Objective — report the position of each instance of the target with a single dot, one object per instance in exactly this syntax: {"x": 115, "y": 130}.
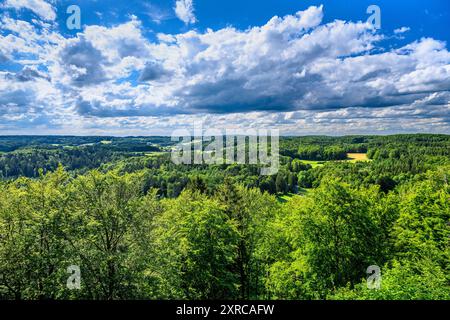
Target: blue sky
{"x": 428, "y": 19}
{"x": 150, "y": 67}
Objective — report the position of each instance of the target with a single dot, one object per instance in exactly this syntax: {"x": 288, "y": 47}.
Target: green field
{"x": 313, "y": 163}
{"x": 289, "y": 196}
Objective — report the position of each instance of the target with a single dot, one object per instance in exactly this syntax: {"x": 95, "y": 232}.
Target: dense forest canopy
{"x": 141, "y": 227}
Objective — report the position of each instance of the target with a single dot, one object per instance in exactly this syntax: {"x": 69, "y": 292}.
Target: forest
{"x": 141, "y": 227}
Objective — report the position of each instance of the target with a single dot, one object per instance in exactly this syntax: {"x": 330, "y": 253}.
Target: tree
{"x": 196, "y": 244}
{"x": 423, "y": 226}
{"x": 197, "y": 184}
{"x": 109, "y": 232}
{"x": 421, "y": 279}
{"x": 333, "y": 239}
{"x": 281, "y": 184}
{"x": 33, "y": 256}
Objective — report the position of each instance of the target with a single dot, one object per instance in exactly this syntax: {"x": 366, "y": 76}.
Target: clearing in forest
{"x": 354, "y": 157}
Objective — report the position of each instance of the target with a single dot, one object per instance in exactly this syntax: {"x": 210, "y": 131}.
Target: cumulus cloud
{"x": 295, "y": 63}
{"x": 22, "y": 40}
{"x": 401, "y": 30}
{"x": 100, "y": 54}
{"x": 3, "y": 58}
{"x": 184, "y": 9}
{"x": 153, "y": 71}
{"x": 81, "y": 63}
{"x": 40, "y": 7}
{"x": 27, "y": 94}
{"x": 293, "y": 72}
{"x": 26, "y": 74}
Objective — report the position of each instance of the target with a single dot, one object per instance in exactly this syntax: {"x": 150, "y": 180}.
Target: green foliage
{"x": 141, "y": 227}
{"x": 407, "y": 280}
{"x": 197, "y": 245}
{"x": 333, "y": 233}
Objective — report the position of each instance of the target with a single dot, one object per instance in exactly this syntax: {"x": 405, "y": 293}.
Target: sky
{"x": 151, "y": 67}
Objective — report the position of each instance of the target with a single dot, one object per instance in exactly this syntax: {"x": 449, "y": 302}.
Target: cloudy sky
{"x": 149, "y": 67}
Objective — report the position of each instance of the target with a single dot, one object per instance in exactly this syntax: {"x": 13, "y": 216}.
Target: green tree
{"x": 109, "y": 231}
{"x": 33, "y": 256}
{"x": 196, "y": 244}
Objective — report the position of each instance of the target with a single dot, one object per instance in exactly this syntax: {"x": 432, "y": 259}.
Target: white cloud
{"x": 401, "y": 30}
{"x": 32, "y": 40}
{"x": 156, "y": 14}
{"x": 184, "y": 9}
{"x": 293, "y": 73}
{"x": 40, "y": 7}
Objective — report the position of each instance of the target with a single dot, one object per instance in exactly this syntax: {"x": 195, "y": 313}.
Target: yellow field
{"x": 353, "y": 157}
